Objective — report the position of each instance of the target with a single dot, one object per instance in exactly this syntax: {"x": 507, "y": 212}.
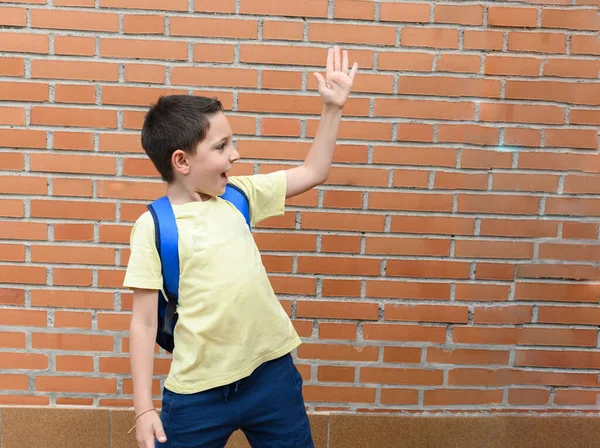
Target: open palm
{"x": 335, "y": 87}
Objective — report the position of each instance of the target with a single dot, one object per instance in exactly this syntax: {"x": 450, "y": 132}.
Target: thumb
{"x": 160, "y": 432}
{"x": 320, "y": 82}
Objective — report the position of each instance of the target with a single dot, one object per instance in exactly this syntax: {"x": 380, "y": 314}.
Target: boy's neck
{"x": 180, "y": 194}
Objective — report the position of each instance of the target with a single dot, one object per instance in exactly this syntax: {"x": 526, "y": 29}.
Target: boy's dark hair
{"x": 176, "y": 122}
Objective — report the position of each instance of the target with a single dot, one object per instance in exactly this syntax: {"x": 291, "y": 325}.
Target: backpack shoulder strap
{"x": 238, "y": 198}
{"x": 165, "y": 228}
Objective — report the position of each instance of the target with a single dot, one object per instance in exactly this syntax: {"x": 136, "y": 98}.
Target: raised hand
{"x": 335, "y": 87}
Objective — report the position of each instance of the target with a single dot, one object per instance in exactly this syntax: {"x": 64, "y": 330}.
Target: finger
{"x": 159, "y": 432}
{"x": 353, "y": 71}
{"x": 330, "y": 61}
{"x": 337, "y": 59}
{"x": 320, "y": 81}
{"x": 345, "y": 62}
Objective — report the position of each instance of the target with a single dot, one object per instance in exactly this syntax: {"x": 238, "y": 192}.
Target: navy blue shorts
{"x": 267, "y": 406}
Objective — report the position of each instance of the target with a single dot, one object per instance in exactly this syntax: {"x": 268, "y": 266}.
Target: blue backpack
{"x": 167, "y": 245}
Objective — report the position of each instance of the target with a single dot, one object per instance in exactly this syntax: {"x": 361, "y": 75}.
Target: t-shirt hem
{"x": 172, "y": 386}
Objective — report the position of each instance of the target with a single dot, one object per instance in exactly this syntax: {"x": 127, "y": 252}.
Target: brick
{"x": 482, "y": 292}
{"x": 445, "y": 397}
{"x": 52, "y": 341}
{"x": 223, "y": 6}
{"x": 420, "y": 109}
{"x": 575, "y": 230}
{"x": 380, "y": 375}
{"x": 512, "y": 17}
{"x": 74, "y": 364}
{"x": 334, "y": 265}
{"x": 23, "y": 318}
{"x": 584, "y": 44}
{"x": 497, "y": 204}
{"x": 24, "y": 43}
{"x": 76, "y": 164}
{"x": 29, "y": 361}
{"x": 516, "y": 315}
{"x": 292, "y": 285}
{"x": 274, "y": 80}
{"x": 302, "y": 56}
{"x": 175, "y": 5}
{"x": 483, "y": 40}
{"x": 205, "y": 27}
{"x": 522, "y": 137}
{"x": 81, "y": 3}
{"x": 501, "y": 377}
{"x": 439, "y": 226}
{"x": 403, "y": 355}
{"x": 559, "y": 272}
{"x": 135, "y": 96}
{"x": 556, "y": 292}
{"x": 458, "y": 63}
{"x": 460, "y": 181}
{"x": 584, "y": 116}
{"x": 572, "y": 138}
{"x": 72, "y": 187}
{"x": 76, "y": 384}
{"x": 537, "y": 42}
{"x": 575, "y": 19}
{"x": 213, "y": 53}
{"x": 12, "y": 340}
{"x": 429, "y": 37}
{"x": 83, "y": 141}
{"x": 12, "y": 67}
{"x": 283, "y": 127}
{"x": 356, "y": 9}
{"x": 576, "y": 397}
{"x": 410, "y": 202}
{"x": 143, "y": 24}
{"x": 337, "y": 331}
{"x": 73, "y": 210}
{"x": 332, "y": 352}
{"x": 357, "y": 130}
{"x": 494, "y": 249}
{"x": 24, "y": 185}
{"x": 521, "y": 113}
{"x": 573, "y": 207}
{"x": 428, "y": 269}
{"x": 72, "y": 277}
{"x": 336, "y": 374}
{"x": 340, "y": 244}
{"x": 337, "y": 310}
{"x": 468, "y": 133}
{"x": 14, "y": 208}
{"x": 448, "y": 86}
{"x": 525, "y": 182}
{"x": 341, "y": 288}
{"x": 75, "y": 70}
{"x": 553, "y": 91}
{"x": 339, "y": 394}
{"x": 353, "y": 34}
{"x": 29, "y": 91}
{"x": 394, "y": 396}
{"x": 75, "y": 94}
{"x": 559, "y": 162}
{"x": 466, "y": 356}
{"x": 569, "y": 315}
{"x": 10, "y": 296}
{"x": 555, "y": 358}
{"x": 405, "y": 61}
{"x": 427, "y": 313}
{"x": 23, "y": 231}
{"x": 572, "y": 68}
{"x": 75, "y": 20}
{"x": 147, "y": 73}
{"x": 294, "y": 8}
{"x": 407, "y": 333}
{"x": 459, "y": 14}
{"x": 512, "y": 65}
{"x": 23, "y": 274}
{"x": 13, "y": 382}
{"x": 524, "y": 336}
{"x": 143, "y": 49}
{"x": 343, "y": 199}
{"x": 16, "y": 17}
{"x": 445, "y": 157}
{"x": 416, "y": 291}
{"x": 519, "y": 228}
{"x": 58, "y": 116}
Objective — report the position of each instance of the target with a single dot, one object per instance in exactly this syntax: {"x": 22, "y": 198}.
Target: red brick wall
{"x": 450, "y": 261}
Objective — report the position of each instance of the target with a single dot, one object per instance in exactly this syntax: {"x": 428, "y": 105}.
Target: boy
{"x": 231, "y": 367}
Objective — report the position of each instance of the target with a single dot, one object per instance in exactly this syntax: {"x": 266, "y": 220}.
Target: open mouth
{"x": 224, "y": 176}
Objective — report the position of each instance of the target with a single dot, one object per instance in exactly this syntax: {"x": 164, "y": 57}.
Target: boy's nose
{"x": 235, "y": 155}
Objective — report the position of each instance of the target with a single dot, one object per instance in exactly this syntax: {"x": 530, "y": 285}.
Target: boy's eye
{"x": 221, "y": 146}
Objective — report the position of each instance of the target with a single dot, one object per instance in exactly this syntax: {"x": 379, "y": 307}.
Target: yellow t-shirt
{"x": 230, "y": 320}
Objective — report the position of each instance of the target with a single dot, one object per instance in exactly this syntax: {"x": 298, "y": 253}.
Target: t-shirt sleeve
{"x": 266, "y": 194}
{"x": 144, "y": 267}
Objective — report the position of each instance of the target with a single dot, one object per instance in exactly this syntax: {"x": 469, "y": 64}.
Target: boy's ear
{"x": 180, "y": 162}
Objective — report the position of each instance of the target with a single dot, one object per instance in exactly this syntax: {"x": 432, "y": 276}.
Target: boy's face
{"x": 214, "y": 157}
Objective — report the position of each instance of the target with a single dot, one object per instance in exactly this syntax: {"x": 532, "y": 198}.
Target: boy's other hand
{"x": 336, "y": 86}
{"x": 148, "y": 429}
